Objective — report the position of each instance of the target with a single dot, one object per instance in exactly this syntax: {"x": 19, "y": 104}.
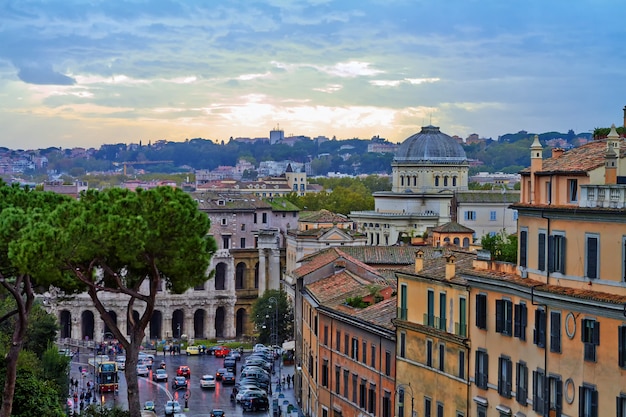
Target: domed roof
{"x": 430, "y": 145}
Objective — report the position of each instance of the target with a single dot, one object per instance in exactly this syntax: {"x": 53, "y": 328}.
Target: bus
{"x": 107, "y": 377}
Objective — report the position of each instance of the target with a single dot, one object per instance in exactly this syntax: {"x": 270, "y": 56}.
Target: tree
{"x": 502, "y": 248}
{"x": 266, "y": 314}
{"x": 19, "y": 209}
{"x": 127, "y": 244}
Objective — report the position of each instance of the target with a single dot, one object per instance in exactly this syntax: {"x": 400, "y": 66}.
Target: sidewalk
{"x": 284, "y": 397}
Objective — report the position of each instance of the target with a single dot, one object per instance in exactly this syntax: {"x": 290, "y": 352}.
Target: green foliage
{"x": 42, "y": 331}
{"x": 264, "y": 313}
{"x": 356, "y": 302}
{"x": 603, "y": 132}
{"x": 35, "y": 396}
{"x": 502, "y": 248}
{"x": 56, "y": 369}
{"x": 96, "y": 411}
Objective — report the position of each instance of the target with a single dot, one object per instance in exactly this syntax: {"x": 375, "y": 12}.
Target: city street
{"x": 200, "y": 401}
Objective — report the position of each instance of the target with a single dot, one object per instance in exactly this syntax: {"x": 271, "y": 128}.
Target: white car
{"x": 247, "y": 389}
{"x": 259, "y": 347}
{"x": 172, "y": 407}
{"x": 121, "y": 362}
{"x": 142, "y": 370}
{"x": 207, "y": 381}
{"x": 159, "y": 375}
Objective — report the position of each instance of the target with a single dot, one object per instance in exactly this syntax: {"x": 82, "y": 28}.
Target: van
{"x": 230, "y": 364}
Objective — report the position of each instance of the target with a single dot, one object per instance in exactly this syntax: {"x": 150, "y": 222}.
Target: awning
{"x": 289, "y": 345}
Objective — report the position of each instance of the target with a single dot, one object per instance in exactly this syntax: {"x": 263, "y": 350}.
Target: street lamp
{"x": 274, "y": 301}
{"x": 401, "y": 390}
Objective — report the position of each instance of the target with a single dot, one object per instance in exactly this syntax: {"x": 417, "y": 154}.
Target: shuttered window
{"x": 591, "y": 258}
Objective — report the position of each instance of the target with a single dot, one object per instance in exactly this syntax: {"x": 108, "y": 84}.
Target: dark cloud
{"x": 44, "y": 75}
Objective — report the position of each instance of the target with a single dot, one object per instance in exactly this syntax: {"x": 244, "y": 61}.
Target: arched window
{"x": 454, "y": 181}
{"x": 445, "y": 181}
{"x": 240, "y": 273}
{"x": 415, "y": 181}
{"x": 456, "y": 241}
{"x": 220, "y": 276}
{"x": 402, "y": 180}
{"x": 437, "y": 181}
{"x": 465, "y": 242}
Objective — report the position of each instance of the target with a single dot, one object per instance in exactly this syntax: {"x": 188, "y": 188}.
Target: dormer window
{"x": 221, "y": 202}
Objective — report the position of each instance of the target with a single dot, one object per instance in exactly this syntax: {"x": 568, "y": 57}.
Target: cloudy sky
{"x": 88, "y": 72}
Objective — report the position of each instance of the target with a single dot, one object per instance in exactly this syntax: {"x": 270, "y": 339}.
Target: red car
{"x": 221, "y": 351}
{"x": 183, "y": 370}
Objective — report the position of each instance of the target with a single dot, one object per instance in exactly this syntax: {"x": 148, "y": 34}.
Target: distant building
{"x": 498, "y": 179}
{"x": 276, "y": 136}
{"x": 72, "y": 190}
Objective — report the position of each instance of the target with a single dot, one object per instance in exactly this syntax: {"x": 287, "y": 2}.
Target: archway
{"x": 220, "y": 276}
{"x": 456, "y": 241}
{"x": 87, "y": 325}
{"x": 65, "y": 322}
{"x": 156, "y": 324}
{"x": 240, "y": 273}
{"x": 219, "y": 322}
{"x": 107, "y": 331}
{"x": 198, "y": 324}
{"x": 178, "y": 323}
{"x": 135, "y": 319}
{"x": 242, "y": 319}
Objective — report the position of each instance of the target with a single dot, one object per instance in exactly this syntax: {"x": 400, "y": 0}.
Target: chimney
{"x": 557, "y": 152}
{"x": 536, "y": 165}
{"x": 450, "y": 266}
{"x": 419, "y": 261}
{"x": 610, "y": 167}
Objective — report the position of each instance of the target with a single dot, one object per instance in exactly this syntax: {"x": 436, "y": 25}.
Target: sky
{"x": 81, "y": 73}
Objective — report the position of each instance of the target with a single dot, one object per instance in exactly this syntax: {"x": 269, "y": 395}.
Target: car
{"x": 220, "y": 372}
{"x": 207, "y": 381}
{"x": 228, "y": 378}
{"x": 145, "y": 359}
{"x": 179, "y": 382}
{"x": 234, "y": 354}
{"x": 192, "y": 350}
{"x": 121, "y": 362}
{"x": 217, "y": 412}
{"x": 142, "y": 370}
{"x": 149, "y": 405}
{"x": 183, "y": 370}
{"x": 255, "y": 402}
{"x": 259, "y": 347}
{"x": 66, "y": 352}
{"x": 230, "y": 364}
{"x": 159, "y": 375}
{"x": 145, "y": 362}
{"x": 244, "y": 391}
{"x": 172, "y": 407}
{"x": 222, "y": 352}
{"x": 146, "y": 356}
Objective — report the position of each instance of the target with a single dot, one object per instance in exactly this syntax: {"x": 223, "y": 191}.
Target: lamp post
{"x": 276, "y": 340}
{"x": 401, "y": 390}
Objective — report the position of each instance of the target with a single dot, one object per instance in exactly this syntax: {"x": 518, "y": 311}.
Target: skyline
{"x": 77, "y": 73}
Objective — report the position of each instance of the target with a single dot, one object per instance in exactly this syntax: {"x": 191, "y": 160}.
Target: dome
{"x": 430, "y": 145}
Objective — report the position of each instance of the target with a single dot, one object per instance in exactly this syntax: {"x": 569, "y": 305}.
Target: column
{"x": 274, "y": 270}
{"x": 229, "y": 322}
{"x": 189, "y": 329}
{"x": 262, "y": 272}
{"x": 167, "y": 324}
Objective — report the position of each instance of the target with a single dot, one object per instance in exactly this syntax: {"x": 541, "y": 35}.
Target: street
{"x": 200, "y": 401}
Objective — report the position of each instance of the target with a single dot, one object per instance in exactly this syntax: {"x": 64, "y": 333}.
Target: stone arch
{"x": 178, "y": 323}
{"x": 454, "y": 181}
{"x": 219, "y": 322}
{"x": 256, "y": 275}
{"x": 456, "y": 241}
{"x": 242, "y": 318}
{"x": 113, "y": 315}
{"x": 445, "y": 181}
{"x": 240, "y": 274}
{"x": 198, "y": 324}
{"x": 65, "y": 322}
{"x": 87, "y": 324}
{"x": 437, "y": 181}
{"x": 446, "y": 241}
{"x": 465, "y": 242}
{"x": 156, "y": 325}
{"x": 135, "y": 319}
{"x": 220, "y": 276}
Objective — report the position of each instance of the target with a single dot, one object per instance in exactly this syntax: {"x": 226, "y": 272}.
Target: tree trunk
{"x": 132, "y": 352}
{"x": 11, "y": 375}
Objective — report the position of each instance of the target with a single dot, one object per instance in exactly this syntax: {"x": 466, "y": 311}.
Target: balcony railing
{"x": 460, "y": 329}
{"x": 434, "y": 321}
{"x": 603, "y": 196}
{"x": 403, "y": 313}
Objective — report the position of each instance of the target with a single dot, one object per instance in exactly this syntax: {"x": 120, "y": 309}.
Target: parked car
{"x": 179, "y": 383}
{"x": 207, "y": 381}
{"x": 193, "y": 350}
{"x": 142, "y": 370}
{"x": 159, "y": 375}
{"x": 240, "y": 395}
{"x": 259, "y": 347}
{"x": 222, "y": 351}
{"x": 228, "y": 378}
{"x": 235, "y": 354}
{"x": 230, "y": 364}
{"x": 217, "y": 412}
{"x": 255, "y": 402}
{"x": 183, "y": 370}
{"x": 220, "y": 372}
{"x": 172, "y": 407}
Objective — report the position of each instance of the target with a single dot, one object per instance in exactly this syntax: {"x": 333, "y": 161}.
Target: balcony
{"x": 403, "y": 313}
{"x": 603, "y": 196}
{"x": 434, "y": 321}
{"x": 460, "y": 329}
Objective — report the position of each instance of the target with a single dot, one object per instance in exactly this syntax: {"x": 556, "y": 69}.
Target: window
{"x": 462, "y": 364}
{"x": 470, "y": 215}
{"x": 439, "y": 409}
{"x": 621, "y": 405}
{"x": 355, "y": 380}
{"x": 403, "y": 302}
{"x": 430, "y": 308}
{"x": 548, "y": 192}
{"x": 346, "y": 343}
{"x": 521, "y": 389}
{"x": 492, "y": 215}
{"x": 523, "y": 248}
{"x": 337, "y": 379}
{"x": 402, "y": 345}
{"x": 623, "y": 258}
{"x": 515, "y": 215}
{"x": 538, "y": 390}
{"x": 387, "y": 404}
{"x": 590, "y": 336}
{"x": 326, "y": 335}
{"x": 371, "y": 399}
{"x": 346, "y": 376}
{"x": 387, "y": 363}
{"x": 373, "y": 363}
{"x": 482, "y": 369}
{"x": 429, "y": 353}
{"x": 363, "y": 394}
{"x": 427, "y": 406}
{"x": 587, "y": 401}
{"x": 572, "y": 190}
{"x": 541, "y": 248}
{"x": 555, "y": 395}
{"x": 481, "y": 411}
{"x": 539, "y": 335}
{"x": 555, "y": 331}
{"x": 437, "y": 181}
{"x": 442, "y": 311}
{"x": 325, "y": 373}
{"x": 355, "y": 349}
{"x": 442, "y": 355}
{"x": 401, "y": 396}
{"x": 481, "y": 311}
{"x": 224, "y": 221}
{"x": 621, "y": 342}
{"x": 242, "y": 243}
{"x": 556, "y": 253}
{"x": 504, "y": 317}
{"x": 264, "y": 218}
{"x": 243, "y": 227}
{"x": 225, "y": 242}
{"x": 505, "y": 376}
{"x": 338, "y": 341}
{"x": 592, "y": 257}
{"x": 364, "y": 352}
{"x": 462, "y": 326}
{"x": 521, "y": 313}
{"x": 254, "y": 219}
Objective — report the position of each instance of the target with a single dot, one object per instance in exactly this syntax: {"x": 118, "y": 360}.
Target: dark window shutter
{"x": 596, "y": 333}
{"x": 594, "y": 403}
{"x": 481, "y": 311}
{"x": 523, "y": 321}
{"x": 508, "y": 323}
{"x": 486, "y": 370}
{"x": 592, "y": 257}
{"x": 523, "y": 247}
{"x": 559, "y": 397}
{"x": 537, "y": 330}
{"x": 499, "y": 316}
{"x": 509, "y": 378}
{"x": 535, "y": 396}
{"x": 501, "y": 381}
{"x": 555, "y": 331}
{"x": 541, "y": 259}
{"x": 562, "y": 254}
{"x": 550, "y": 253}
{"x": 581, "y": 402}
{"x": 621, "y": 337}
{"x": 518, "y": 320}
